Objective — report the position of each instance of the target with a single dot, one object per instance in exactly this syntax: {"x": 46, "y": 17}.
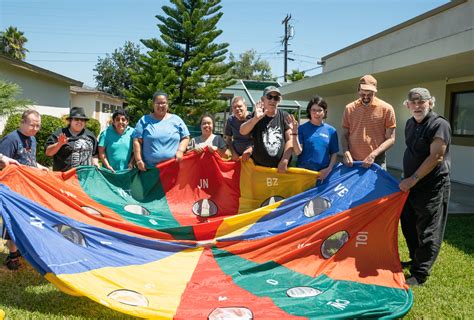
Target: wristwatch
{"x": 416, "y": 177}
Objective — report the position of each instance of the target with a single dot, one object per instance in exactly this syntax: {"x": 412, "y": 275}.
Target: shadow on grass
{"x": 459, "y": 232}
{"x": 25, "y": 292}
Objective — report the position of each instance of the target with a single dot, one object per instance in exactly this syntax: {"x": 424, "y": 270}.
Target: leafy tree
{"x": 113, "y": 73}
{"x": 250, "y": 67}
{"x": 155, "y": 74}
{"x": 188, "y": 46}
{"x": 296, "y": 75}
{"x": 12, "y": 43}
{"x": 8, "y": 103}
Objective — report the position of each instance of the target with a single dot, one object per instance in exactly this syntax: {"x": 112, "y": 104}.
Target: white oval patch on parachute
{"x": 129, "y": 297}
{"x": 302, "y": 292}
{"x": 71, "y": 234}
{"x": 316, "y": 206}
{"x": 334, "y": 243}
{"x": 231, "y": 313}
{"x": 137, "y": 209}
{"x": 204, "y": 208}
{"x": 271, "y": 200}
{"x": 92, "y": 211}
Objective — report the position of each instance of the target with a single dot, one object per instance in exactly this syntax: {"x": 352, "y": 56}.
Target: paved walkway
{"x": 462, "y": 196}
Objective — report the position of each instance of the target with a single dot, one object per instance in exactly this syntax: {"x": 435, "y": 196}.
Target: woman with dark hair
{"x": 159, "y": 136}
{"x": 315, "y": 142}
{"x": 74, "y": 145}
{"x": 208, "y": 138}
{"x": 115, "y": 143}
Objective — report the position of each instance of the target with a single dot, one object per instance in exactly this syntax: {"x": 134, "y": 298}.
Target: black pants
{"x": 423, "y": 222}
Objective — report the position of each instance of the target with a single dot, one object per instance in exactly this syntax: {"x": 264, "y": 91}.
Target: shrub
{"x": 94, "y": 126}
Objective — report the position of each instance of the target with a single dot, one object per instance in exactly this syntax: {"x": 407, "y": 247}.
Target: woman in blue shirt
{"x": 315, "y": 142}
{"x": 159, "y": 136}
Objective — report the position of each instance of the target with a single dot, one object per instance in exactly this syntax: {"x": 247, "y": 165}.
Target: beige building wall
{"x": 89, "y": 102}
{"x": 462, "y": 157}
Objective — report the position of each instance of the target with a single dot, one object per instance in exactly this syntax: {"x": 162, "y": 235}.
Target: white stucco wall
{"x": 88, "y": 101}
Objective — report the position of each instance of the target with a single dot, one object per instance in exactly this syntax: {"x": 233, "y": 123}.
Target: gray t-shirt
{"x": 214, "y": 140}
{"x": 232, "y": 129}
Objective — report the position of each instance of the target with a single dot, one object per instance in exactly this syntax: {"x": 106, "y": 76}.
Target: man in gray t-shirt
{"x": 239, "y": 145}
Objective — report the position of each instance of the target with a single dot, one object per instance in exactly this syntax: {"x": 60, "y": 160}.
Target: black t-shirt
{"x": 78, "y": 151}
{"x": 269, "y": 139}
{"x": 418, "y": 139}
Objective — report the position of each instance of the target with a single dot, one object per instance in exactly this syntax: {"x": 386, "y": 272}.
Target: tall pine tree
{"x": 188, "y": 42}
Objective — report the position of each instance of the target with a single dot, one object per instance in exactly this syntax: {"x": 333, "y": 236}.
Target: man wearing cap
{"x": 368, "y": 127}
{"x": 426, "y": 165}
{"x": 74, "y": 145}
{"x": 271, "y": 134}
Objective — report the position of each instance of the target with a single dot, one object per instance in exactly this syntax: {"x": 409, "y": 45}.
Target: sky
{"x": 68, "y": 37}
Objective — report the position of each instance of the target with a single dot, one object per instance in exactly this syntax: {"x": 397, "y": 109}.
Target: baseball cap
{"x": 269, "y": 89}
{"x": 419, "y": 94}
{"x": 368, "y": 82}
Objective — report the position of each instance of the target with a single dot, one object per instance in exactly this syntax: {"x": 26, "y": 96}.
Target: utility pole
{"x": 288, "y": 36}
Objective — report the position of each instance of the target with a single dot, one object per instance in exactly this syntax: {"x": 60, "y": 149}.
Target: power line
{"x": 67, "y": 52}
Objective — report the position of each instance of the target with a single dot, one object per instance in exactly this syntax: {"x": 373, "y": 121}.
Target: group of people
{"x": 270, "y": 136}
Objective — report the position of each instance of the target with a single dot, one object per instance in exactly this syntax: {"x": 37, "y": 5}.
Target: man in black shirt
{"x": 270, "y": 132}
{"x": 426, "y": 166}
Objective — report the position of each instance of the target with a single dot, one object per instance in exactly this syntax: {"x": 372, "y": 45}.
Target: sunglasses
{"x": 270, "y": 97}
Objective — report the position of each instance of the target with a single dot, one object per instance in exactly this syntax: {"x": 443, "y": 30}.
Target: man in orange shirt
{"x": 368, "y": 127}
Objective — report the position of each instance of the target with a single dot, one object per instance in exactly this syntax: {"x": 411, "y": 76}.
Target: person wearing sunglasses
{"x": 74, "y": 145}
{"x": 271, "y": 133}
{"x": 368, "y": 127}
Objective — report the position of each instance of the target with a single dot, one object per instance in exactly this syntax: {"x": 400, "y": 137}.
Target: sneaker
{"x": 13, "y": 261}
{"x": 407, "y": 264}
{"x": 413, "y": 281}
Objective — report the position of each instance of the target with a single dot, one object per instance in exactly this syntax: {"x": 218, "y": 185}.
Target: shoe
{"x": 413, "y": 281}
{"x": 407, "y": 264}
{"x": 13, "y": 260}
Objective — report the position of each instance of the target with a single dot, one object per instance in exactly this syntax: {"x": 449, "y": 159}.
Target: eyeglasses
{"x": 78, "y": 119}
{"x": 270, "y": 97}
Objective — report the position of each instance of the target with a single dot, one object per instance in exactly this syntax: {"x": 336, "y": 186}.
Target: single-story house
{"x": 433, "y": 50}
{"x": 49, "y": 91}
{"x": 97, "y": 104}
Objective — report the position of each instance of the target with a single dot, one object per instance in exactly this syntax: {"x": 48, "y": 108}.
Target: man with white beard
{"x": 426, "y": 166}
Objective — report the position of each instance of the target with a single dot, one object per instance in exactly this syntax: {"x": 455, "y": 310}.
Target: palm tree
{"x": 12, "y": 43}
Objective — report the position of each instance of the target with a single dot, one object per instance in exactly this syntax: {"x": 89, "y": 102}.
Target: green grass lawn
{"x": 448, "y": 294}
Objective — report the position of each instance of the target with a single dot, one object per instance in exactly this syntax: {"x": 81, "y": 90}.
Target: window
{"x": 460, "y": 112}
{"x": 97, "y": 106}
{"x": 105, "y": 108}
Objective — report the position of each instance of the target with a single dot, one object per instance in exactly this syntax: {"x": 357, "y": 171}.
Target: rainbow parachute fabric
{"x": 169, "y": 244}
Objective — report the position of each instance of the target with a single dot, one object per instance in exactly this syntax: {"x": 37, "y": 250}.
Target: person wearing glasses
{"x": 368, "y": 127}
{"x": 159, "y": 136}
{"x": 315, "y": 142}
{"x": 271, "y": 133}
{"x": 74, "y": 145}
{"x": 239, "y": 145}
{"x": 426, "y": 166}
{"x": 19, "y": 148}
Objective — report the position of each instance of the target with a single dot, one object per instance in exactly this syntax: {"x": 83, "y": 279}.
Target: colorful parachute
{"x": 179, "y": 250}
